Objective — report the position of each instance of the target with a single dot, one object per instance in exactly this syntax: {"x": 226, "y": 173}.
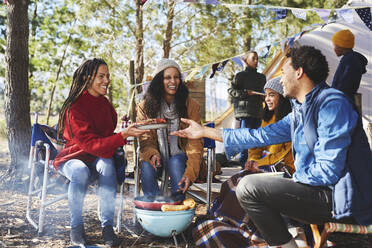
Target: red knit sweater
{"x": 92, "y": 121}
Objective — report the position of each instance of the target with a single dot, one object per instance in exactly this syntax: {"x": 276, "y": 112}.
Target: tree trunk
{"x": 139, "y": 45}
{"x": 248, "y": 23}
{"x": 32, "y": 38}
{"x": 17, "y": 95}
{"x": 169, "y": 29}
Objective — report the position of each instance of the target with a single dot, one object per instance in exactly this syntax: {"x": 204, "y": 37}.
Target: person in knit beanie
{"x": 276, "y": 107}
{"x": 352, "y": 64}
{"x": 168, "y": 97}
{"x": 343, "y": 39}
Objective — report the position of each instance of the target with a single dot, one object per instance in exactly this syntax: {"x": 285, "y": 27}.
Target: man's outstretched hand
{"x": 196, "y": 131}
{"x": 193, "y": 131}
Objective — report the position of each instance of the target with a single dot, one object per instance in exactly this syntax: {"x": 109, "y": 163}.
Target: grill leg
{"x": 174, "y": 237}
{"x": 184, "y": 238}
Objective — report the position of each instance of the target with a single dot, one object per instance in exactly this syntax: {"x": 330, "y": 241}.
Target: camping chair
{"x": 211, "y": 163}
{"x": 44, "y": 148}
{"x": 320, "y": 240}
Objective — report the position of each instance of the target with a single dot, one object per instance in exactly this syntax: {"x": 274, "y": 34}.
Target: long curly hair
{"x": 82, "y": 77}
{"x": 284, "y": 108}
{"x": 155, "y": 95}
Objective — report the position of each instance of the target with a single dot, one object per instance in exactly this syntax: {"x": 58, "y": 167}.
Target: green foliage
{"x": 2, "y": 128}
{"x": 202, "y": 34}
{"x": 51, "y": 25}
{"x": 2, "y": 118}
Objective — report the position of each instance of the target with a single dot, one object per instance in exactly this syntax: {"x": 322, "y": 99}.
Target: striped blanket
{"x": 227, "y": 225}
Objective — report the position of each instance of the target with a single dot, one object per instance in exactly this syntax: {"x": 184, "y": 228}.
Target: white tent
{"x": 321, "y": 39}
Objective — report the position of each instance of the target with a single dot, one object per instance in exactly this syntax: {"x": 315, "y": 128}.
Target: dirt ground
{"x": 15, "y": 231}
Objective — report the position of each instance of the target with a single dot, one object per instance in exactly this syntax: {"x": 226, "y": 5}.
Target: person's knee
{"x": 177, "y": 160}
{"x": 80, "y": 175}
{"x": 106, "y": 167}
{"x": 147, "y": 170}
{"x": 247, "y": 188}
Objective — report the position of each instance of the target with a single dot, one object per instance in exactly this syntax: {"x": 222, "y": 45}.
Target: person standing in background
{"x": 248, "y": 108}
{"x": 352, "y": 64}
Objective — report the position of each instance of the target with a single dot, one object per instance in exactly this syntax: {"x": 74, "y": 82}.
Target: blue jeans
{"x": 249, "y": 122}
{"x": 176, "y": 168}
{"x": 80, "y": 175}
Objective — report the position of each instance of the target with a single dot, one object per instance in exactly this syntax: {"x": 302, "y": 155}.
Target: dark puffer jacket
{"x": 244, "y": 104}
{"x": 349, "y": 73}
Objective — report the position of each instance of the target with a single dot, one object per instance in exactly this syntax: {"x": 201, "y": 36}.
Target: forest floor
{"x": 16, "y": 231}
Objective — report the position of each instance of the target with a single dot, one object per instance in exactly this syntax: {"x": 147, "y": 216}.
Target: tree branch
{"x": 197, "y": 38}
{"x": 131, "y": 28}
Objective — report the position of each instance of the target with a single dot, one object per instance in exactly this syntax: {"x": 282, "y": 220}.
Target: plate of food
{"x": 149, "y": 124}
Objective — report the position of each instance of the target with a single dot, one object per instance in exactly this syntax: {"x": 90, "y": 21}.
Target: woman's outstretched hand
{"x": 133, "y": 131}
{"x": 193, "y": 131}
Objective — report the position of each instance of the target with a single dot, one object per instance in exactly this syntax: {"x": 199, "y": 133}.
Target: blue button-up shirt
{"x": 335, "y": 122}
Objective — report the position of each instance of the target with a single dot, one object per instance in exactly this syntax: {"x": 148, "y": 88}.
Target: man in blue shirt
{"x": 332, "y": 156}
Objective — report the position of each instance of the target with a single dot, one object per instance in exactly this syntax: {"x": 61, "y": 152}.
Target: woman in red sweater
{"x": 87, "y": 122}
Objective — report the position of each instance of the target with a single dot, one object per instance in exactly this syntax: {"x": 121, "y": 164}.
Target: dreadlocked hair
{"x": 83, "y": 75}
{"x": 155, "y": 93}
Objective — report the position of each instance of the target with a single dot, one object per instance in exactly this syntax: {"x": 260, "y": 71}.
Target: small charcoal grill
{"x": 165, "y": 224}
{"x": 162, "y": 224}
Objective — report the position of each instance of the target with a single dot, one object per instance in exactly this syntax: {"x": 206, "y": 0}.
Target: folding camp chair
{"x": 211, "y": 164}
{"x": 320, "y": 240}
{"x": 42, "y": 153}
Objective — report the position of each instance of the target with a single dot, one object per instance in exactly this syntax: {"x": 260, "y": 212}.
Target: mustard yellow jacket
{"x": 192, "y": 148}
{"x": 276, "y": 152}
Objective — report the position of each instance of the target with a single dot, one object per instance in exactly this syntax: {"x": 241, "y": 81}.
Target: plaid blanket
{"x": 227, "y": 225}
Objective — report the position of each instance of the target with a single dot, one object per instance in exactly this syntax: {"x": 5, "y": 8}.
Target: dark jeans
{"x": 267, "y": 198}
{"x": 176, "y": 168}
{"x": 248, "y": 122}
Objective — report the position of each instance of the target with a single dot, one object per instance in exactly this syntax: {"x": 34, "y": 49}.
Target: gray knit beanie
{"x": 274, "y": 84}
{"x": 166, "y": 63}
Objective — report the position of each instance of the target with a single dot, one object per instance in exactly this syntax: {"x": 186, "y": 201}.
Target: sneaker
{"x": 109, "y": 237}
{"x": 299, "y": 236}
{"x": 77, "y": 235}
